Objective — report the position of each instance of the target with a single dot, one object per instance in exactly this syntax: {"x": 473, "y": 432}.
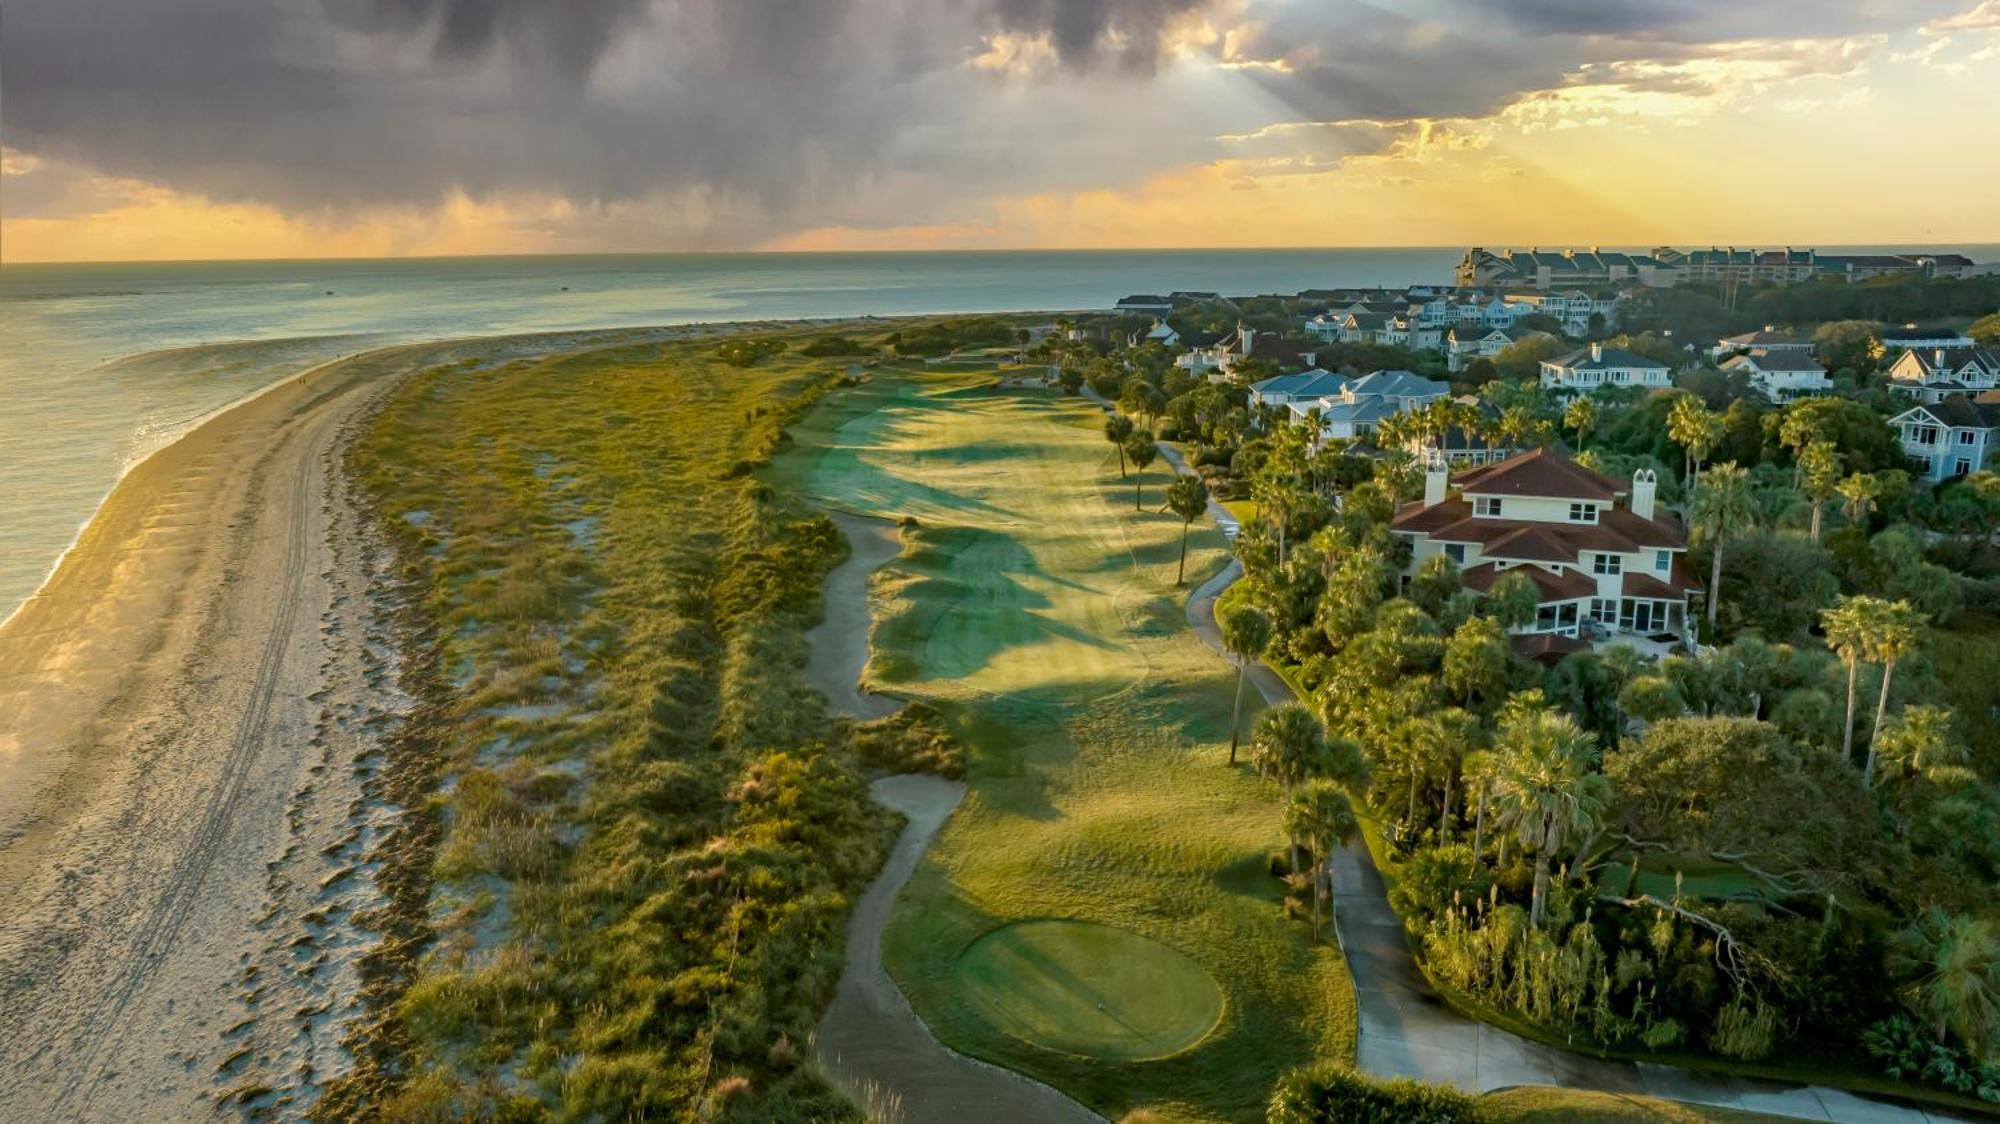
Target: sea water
{"x": 101, "y": 364}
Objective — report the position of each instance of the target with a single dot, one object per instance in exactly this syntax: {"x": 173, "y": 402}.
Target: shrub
{"x": 829, "y": 347}
{"x": 912, "y": 740}
{"x": 747, "y": 353}
{"x": 1909, "y": 1054}
{"x": 1329, "y": 1094}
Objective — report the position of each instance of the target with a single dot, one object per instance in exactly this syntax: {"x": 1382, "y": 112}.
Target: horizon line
{"x": 995, "y": 251}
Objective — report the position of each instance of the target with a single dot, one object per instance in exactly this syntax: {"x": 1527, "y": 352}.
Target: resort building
{"x": 1951, "y": 436}
{"x": 1781, "y": 375}
{"x": 1559, "y": 269}
{"x": 1602, "y": 561}
{"x": 1935, "y": 373}
{"x": 1359, "y": 405}
{"x": 1589, "y": 368}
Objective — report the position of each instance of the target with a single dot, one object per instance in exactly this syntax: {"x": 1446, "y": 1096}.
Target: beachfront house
{"x": 1602, "y": 560}
{"x": 1767, "y": 338}
{"x": 1587, "y": 369}
{"x": 1933, "y": 373}
{"x": 1781, "y": 375}
{"x": 1951, "y": 436}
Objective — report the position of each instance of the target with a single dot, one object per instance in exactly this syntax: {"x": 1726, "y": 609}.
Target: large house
{"x": 1359, "y": 405}
{"x": 1951, "y": 436}
{"x": 1587, "y": 369}
{"x": 1781, "y": 375}
{"x": 1573, "y": 308}
{"x": 1589, "y": 556}
{"x": 1934, "y": 373}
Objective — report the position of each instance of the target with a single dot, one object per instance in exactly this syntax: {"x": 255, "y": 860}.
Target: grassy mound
{"x": 1083, "y": 988}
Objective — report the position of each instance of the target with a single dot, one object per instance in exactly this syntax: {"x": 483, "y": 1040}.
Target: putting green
{"x": 1090, "y": 989}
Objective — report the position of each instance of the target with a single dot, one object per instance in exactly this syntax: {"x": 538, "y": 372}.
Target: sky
{"x": 181, "y": 129}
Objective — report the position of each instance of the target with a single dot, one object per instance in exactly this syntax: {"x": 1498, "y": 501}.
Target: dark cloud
{"x": 762, "y": 114}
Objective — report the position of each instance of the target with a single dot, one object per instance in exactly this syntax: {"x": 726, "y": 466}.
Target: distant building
{"x": 1911, "y": 336}
{"x": 1949, "y": 437}
{"x": 1596, "y": 366}
{"x": 1161, "y": 333}
{"x": 1559, "y": 269}
{"x": 1306, "y": 386}
{"x": 1589, "y": 557}
{"x": 1464, "y": 343}
{"x": 1767, "y": 338}
{"x": 1934, "y": 373}
{"x": 1781, "y": 375}
{"x": 1145, "y": 302}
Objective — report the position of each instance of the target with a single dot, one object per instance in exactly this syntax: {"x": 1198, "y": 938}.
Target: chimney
{"x": 1596, "y": 351}
{"x": 1244, "y": 337}
{"x": 1437, "y": 479}
{"x": 1937, "y": 360}
{"x": 1643, "y": 483}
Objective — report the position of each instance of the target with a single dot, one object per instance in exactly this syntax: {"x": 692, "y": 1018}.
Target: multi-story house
{"x": 1306, "y": 387}
{"x": 1356, "y": 407}
{"x": 1593, "y": 552}
{"x": 1596, "y": 366}
{"x": 1896, "y": 340}
{"x": 1781, "y": 375}
{"x": 1573, "y": 308}
{"x": 1951, "y": 436}
{"x": 1934, "y": 373}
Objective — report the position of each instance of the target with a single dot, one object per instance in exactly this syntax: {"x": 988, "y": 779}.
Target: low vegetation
{"x": 647, "y": 831}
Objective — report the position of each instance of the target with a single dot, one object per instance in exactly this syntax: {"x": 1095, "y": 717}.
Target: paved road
{"x": 1408, "y": 1031}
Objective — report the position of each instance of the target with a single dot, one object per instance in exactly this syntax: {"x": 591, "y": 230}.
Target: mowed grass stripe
{"x": 1037, "y": 610}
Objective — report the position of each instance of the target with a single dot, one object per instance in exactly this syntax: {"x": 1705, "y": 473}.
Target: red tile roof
{"x": 1680, "y": 582}
{"x": 1566, "y": 586}
{"x": 1540, "y": 472}
{"x": 1616, "y": 530}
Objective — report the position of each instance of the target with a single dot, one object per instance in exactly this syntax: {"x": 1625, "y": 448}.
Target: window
{"x": 1609, "y": 564}
{"x": 1486, "y": 505}
{"x": 1922, "y": 434}
{"x": 1603, "y": 609}
{"x": 1966, "y": 437}
{"x": 1456, "y": 552}
{"x": 1663, "y": 560}
{"x": 1583, "y": 513}
{"x": 1961, "y": 467}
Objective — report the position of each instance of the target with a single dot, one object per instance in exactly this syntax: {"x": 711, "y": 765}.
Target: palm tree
{"x": 1693, "y": 428}
{"x": 1894, "y": 636}
{"x": 1547, "y": 791}
{"x": 1921, "y": 741}
{"x": 1480, "y": 767}
{"x": 1140, "y": 450}
{"x": 1953, "y": 969}
{"x": 1287, "y": 742}
{"x": 1188, "y": 496}
{"x": 1819, "y": 472}
{"x": 1857, "y": 496}
{"x": 1320, "y": 818}
{"x": 1850, "y": 628}
{"x": 1721, "y": 511}
{"x": 1581, "y": 416}
{"x": 1117, "y": 430}
{"x": 1245, "y": 634}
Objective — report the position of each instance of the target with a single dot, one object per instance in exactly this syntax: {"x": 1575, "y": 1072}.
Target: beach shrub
{"x": 832, "y": 347}
{"x": 748, "y": 352}
{"x": 1334, "y": 1094}
{"x": 912, "y": 740}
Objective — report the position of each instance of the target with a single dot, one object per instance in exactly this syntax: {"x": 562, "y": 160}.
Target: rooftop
{"x": 1539, "y": 472}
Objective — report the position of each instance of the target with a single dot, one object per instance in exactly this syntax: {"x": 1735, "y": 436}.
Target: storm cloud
{"x": 787, "y": 112}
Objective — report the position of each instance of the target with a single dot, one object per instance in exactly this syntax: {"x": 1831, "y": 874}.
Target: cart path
{"x": 870, "y": 1041}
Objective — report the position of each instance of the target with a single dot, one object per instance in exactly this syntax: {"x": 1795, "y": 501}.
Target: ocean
{"x": 101, "y": 364}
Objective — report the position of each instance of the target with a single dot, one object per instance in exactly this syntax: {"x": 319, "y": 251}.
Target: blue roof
{"x": 1307, "y": 384}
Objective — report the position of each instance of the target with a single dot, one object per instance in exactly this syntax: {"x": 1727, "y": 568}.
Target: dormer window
{"x": 1583, "y": 513}
{"x": 1488, "y": 506}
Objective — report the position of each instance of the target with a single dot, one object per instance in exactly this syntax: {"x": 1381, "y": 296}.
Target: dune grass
{"x": 646, "y": 832}
{"x": 1539, "y": 1104}
{"x": 1037, "y": 612}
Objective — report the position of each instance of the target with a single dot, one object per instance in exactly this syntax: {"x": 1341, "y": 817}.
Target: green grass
{"x": 1037, "y": 612}
{"x": 1537, "y": 1104}
{"x": 1082, "y": 988}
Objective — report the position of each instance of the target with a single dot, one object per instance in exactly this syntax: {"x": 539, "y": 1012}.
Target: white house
{"x": 1927, "y": 339}
{"x": 1951, "y": 436}
{"x": 1781, "y": 375}
{"x": 1161, "y": 333}
{"x": 1767, "y": 338}
{"x": 1934, "y": 373}
{"x": 1354, "y": 410}
{"x": 1597, "y": 365}
{"x": 1573, "y": 307}
{"x": 1589, "y": 556}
